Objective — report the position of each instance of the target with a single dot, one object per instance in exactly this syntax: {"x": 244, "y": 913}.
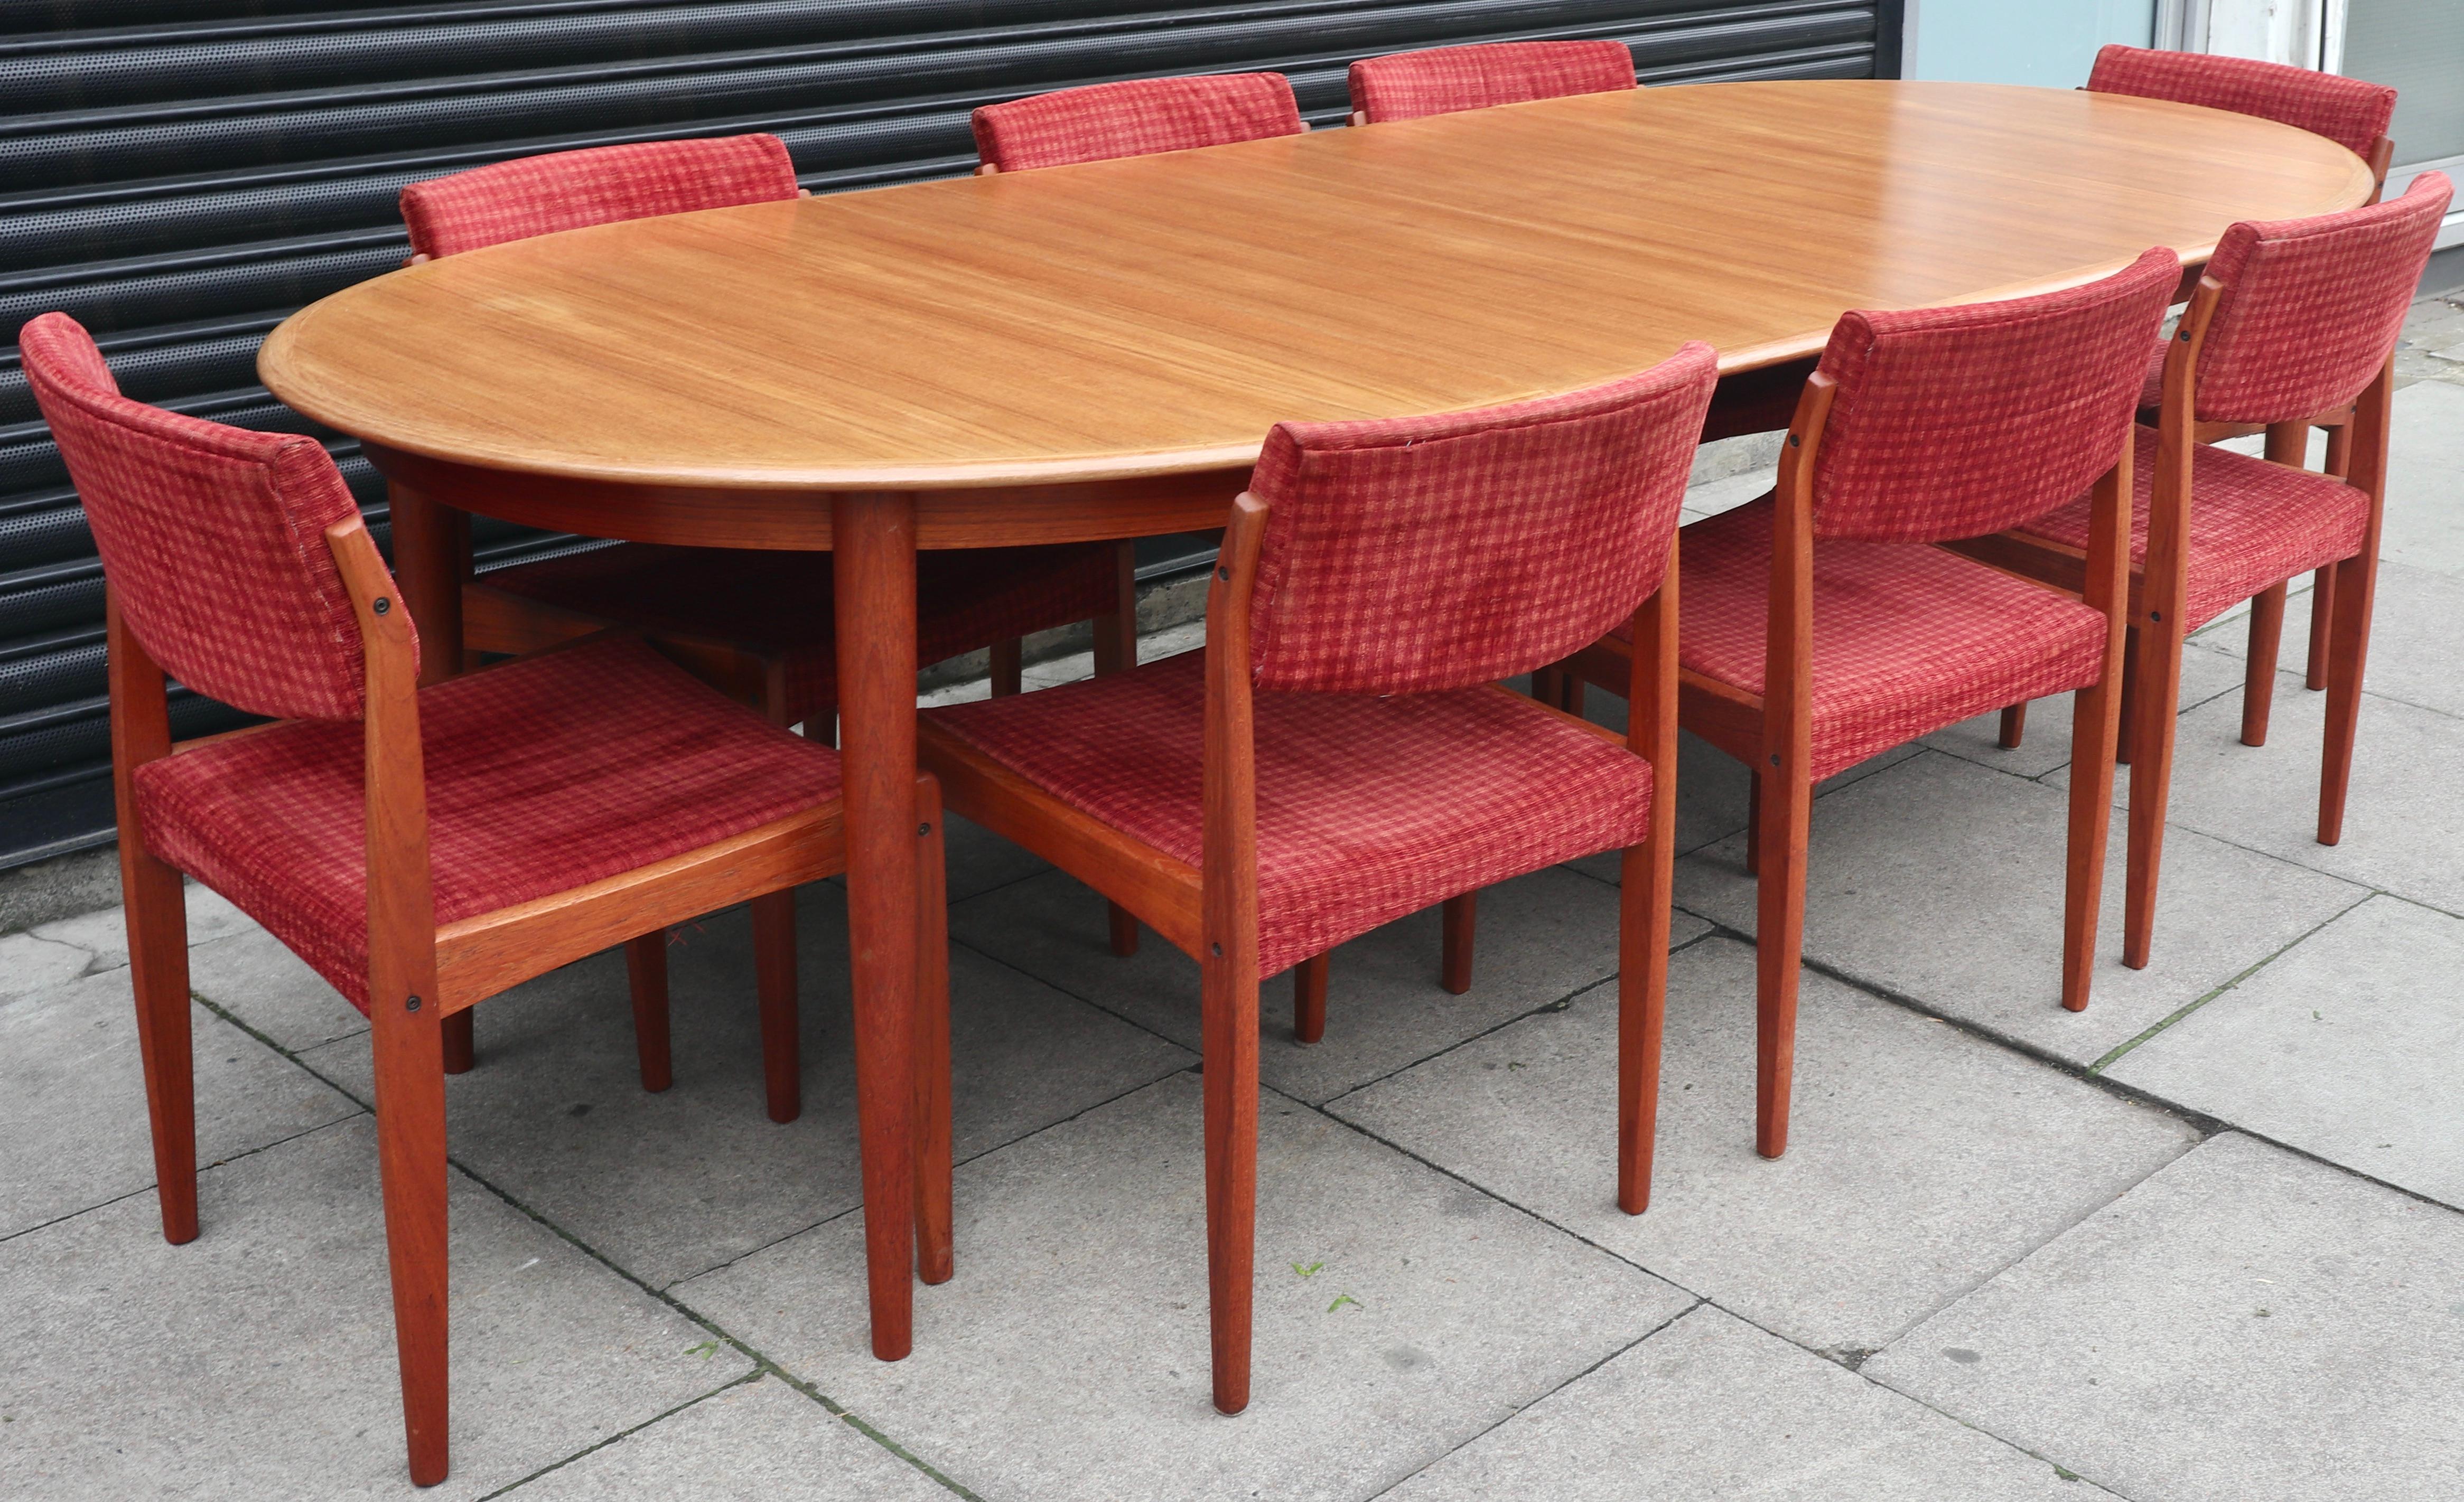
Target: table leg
{"x": 431, "y": 543}
{"x": 874, "y": 536}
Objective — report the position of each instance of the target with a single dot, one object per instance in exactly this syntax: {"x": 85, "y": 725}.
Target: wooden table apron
{"x": 1096, "y": 352}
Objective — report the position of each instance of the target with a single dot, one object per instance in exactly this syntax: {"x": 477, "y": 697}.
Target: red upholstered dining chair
{"x": 2350, "y": 112}
{"x": 2293, "y": 317}
{"x": 1134, "y": 118}
{"x": 1338, "y": 754}
{"x": 1820, "y": 628}
{"x": 420, "y": 849}
{"x": 1441, "y": 81}
{"x": 756, "y": 624}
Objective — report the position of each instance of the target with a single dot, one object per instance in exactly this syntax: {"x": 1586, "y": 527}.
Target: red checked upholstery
{"x": 1440, "y": 552}
{"x": 2346, "y": 111}
{"x": 2312, "y": 306}
{"x": 570, "y": 189}
{"x": 1369, "y": 808}
{"x": 543, "y": 774}
{"x": 1104, "y": 120}
{"x": 1906, "y": 640}
{"x": 1441, "y": 81}
{"x": 213, "y": 539}
{"x": 2253, "y": 524}
{"x": 781, "y": 603}
{"x": 1959, "y": 422}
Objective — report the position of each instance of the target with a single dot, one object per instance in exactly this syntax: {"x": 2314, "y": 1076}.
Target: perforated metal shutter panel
{"x": 179, "y": 175}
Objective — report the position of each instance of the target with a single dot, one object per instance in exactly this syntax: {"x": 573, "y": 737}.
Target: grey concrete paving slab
{"x": 2047, "y": 742}
{"x": 2402, "y": 826}
{"x": 1398, "y": 1315}
{"x": 1728, "y": 493}
{"x": 758, "y": 1442}
{"x": 976, "y": 860}
{"x": 1713, "y": 1408}
{"x": 2425, "y": 504}
{"x": 2346, "y": 1046}
{"x": 2413, "y": 639}
{"x": 1541, "y": 937}
{"x": 257, "y": 1361}
{"x": 669, "y": 1185}
{"x": 255, "y": 978}
{"x": 104, "y": 934}
{"x": 30, "y": 965}
{"x": 74, "y": 1131}
{"x": 2246, "y": 1326}
{"x": 1921, "y": 1159}
{"x": 1942, "y": 882}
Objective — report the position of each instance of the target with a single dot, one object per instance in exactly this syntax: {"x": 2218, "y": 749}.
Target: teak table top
{"x": 1157, "y": 315}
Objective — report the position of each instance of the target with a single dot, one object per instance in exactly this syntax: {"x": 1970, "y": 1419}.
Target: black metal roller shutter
{"x": 179, "y": 175}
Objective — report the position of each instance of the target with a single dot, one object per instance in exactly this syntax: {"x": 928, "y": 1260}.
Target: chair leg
{"x": 1230, "y": 1026}
{"x": 2356, "y": 583}
{"x": 2149, "y": 697}
{"x": 1642, "y": 1007}
{"x": 1577, "y": 694}
{"x": 1779, "y": 942}
{"x": 2015, "y": 725}
{"x": 774, "y": 970}
{"x": 932, "y": 1208}
{"x": 2128, "y": 735}
{"x": 158, "y": 964}
{"x": 1116, "y": 651}
{"x": 1309, "y": 998}
{"x": 2322, "y": 618}
{"x": 1546, "y": 687}
{"x": 411, "y": 1157}
{"x": 1754, "y": 827}
{"x": 2258, "y": 672}
{"x": 1456, "y": 921}
{"x": 645, "y": 973}
{"x": 1009, "y": 666}
{"x": 459, "y": 1042}
{"x": 2096, "y": 722}
{"x": 1124, "y": 929}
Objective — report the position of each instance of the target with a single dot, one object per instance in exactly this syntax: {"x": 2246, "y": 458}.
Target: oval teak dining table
{"x": 1098, "y": 351}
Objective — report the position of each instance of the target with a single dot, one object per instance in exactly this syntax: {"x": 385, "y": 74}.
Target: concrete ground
{"x": 2201, "y": 1242}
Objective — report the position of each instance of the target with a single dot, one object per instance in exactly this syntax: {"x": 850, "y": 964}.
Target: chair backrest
{"x": 2311, "y": 308}
{"x": 1441, "y": 81}
{"x": 1960, "y": 422}
{"x": 1135, "y": 118}
{"x": 571, "y": 189}
{"x": 2350, "y": 112}
{"x": 212, "y": 537}
{"x": 1429, "y": 552}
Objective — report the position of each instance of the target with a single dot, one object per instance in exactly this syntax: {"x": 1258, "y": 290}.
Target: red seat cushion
{"x": 780, "y": 604}
{"x": 2253, "y": 524}
{"x": 1369, "y": 808}
{"x": 1906, "y": 637}
{"x": 543, "y": 774}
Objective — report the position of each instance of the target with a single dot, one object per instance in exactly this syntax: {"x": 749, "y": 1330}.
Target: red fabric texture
{"x": 780, "y": 604}
{"x": 571, "y": 189}
{"x": 2253, "y": 524}
{"x": 1142, "y": 115}
{"x": 2312, "y": 306}
{"x": 1369, "y": 808}
{"x": 1426, "y": 553}
{"x": 1960, "y": 422}
{"x": 1906, "y": 639}
{"x": 2350, "y": 112}
{"x": 1441, "y": 81}
{"x": 543, "y": 774}
{"x": 212, "y": 537}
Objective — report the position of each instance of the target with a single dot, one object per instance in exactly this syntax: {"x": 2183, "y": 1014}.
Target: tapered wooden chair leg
{"x": 1230, "y": 1026}
{"x": 2323, "y": 622}
{"x": 1754, "y": 826}
{"x": 1779, "y": 942}
{"x": 1123, "y": 927}
{"x": 1577, "y": 694}
{"x": 645, "y": 975}
{"x": 932, "y": 1170}
{"x": 410, "y": 1158}
{"x": 1642, "y": 1008}
{"x": 2356, "y": 583}
{"x": 2096, "y": 717}
{"x": 2127, "y": 740}
{"x": 1309, "y": 998}
{"x": 459, "y": 1042}
{"x": 1456, "y": 919}
{"x": 2148, "y": 705}
{"x": 1546, "y": 687}
{"x": 773, "y": 976}
{"x": 1008, "y": 671}
{"x": 2015, "y": 727}
{"x": 2258, "y": 672}
{"x": 158, "y": 966}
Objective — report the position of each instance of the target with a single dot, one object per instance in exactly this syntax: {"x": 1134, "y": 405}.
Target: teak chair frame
{"x": 1773, "y": 733}
{"x": 421, "y": 976}
{"x": 2159, "y": 587}
{"x": 1210, "y": 911}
